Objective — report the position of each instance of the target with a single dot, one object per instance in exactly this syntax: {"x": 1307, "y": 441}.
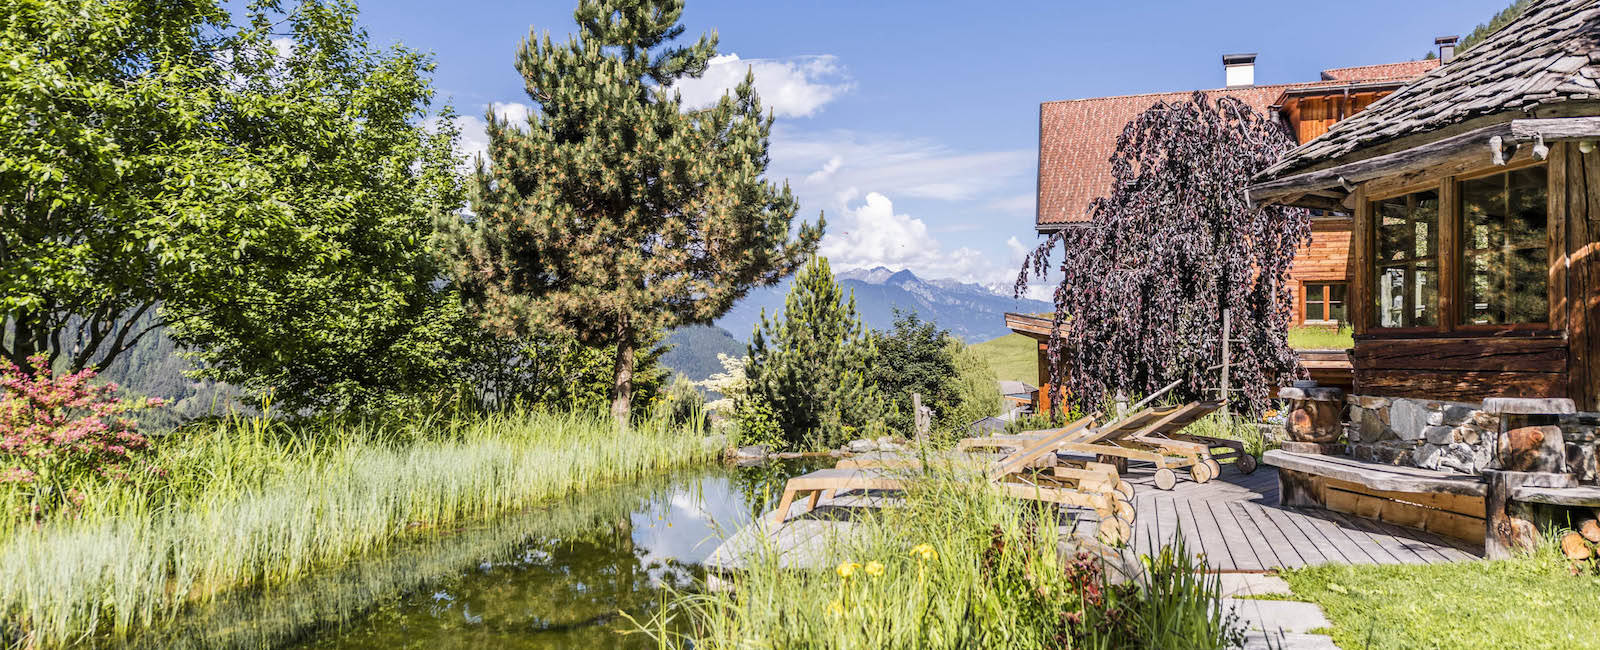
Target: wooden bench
{"x": 1447, "y": 504}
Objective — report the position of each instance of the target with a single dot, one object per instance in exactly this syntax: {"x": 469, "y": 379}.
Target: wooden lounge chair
{"x": 1148, "y": 437}
{"x": 1095, "y": 486}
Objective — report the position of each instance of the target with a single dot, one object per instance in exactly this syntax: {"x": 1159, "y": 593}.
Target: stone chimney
{"x": 1240, "y": 69}
{"x": 1447, "y": 47}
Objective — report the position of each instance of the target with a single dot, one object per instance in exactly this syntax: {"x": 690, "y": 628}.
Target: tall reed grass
{"x": 956, "y": 565}
{"x": 248, "y": 502}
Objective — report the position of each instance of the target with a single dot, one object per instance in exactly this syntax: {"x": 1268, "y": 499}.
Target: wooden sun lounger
{"x": 1148, "y": 437}
{"x": 1096, "y": 486}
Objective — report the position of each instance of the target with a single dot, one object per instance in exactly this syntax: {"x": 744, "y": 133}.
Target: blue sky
{"x": 914, "y": 125}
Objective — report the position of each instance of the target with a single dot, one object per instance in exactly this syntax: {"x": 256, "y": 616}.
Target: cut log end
{"x": 1574, "y": 547}
{"x": 1590, "y": 529}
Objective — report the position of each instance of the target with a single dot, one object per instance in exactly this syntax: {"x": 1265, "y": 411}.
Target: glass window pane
{"x": 1314, "y": 310}
{"x": 1406, "y": 245}
{"x": 1503, "y": 254}
{"x": 1314, "y": 293}
{"x": 1336, "y": 309}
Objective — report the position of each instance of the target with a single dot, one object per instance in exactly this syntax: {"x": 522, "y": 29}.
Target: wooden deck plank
{"x": 1215, "y": 552}
{"x": 1312, "y": 549}
{"x": 1240, "y": 550}
{"x": 1272, "y": 548}
{"x": 1334, "y": 544}
{"x": 1362, "y": 540}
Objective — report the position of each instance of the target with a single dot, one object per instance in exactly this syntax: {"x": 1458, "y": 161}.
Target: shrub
{"x": 58, "y": 430}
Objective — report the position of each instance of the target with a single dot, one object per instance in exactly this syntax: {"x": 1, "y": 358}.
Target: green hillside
{"x": 1012, "y": 356}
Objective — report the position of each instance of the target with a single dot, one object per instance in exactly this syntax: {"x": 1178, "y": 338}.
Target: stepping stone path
{"x": 1278, "y": 624}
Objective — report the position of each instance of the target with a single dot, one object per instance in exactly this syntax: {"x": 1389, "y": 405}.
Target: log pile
{"x": 1582, "y": 546}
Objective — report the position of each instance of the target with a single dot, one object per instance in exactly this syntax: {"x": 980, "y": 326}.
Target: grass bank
{"x": 1527, "y": 602}
{"x": 955, "y": 566}
{"x": 1321, "y": 338}
{"x": 249, "y": 502}
{"x": 1013, "y": 357}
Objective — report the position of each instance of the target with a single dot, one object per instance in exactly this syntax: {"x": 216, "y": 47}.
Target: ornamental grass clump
{"x": 954, "y": 564}
{"x": 57, "y": 432}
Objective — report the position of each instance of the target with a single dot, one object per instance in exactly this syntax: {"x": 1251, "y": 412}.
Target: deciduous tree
{"x": 1144, "y": 284}
{"x": 614, "y": 212}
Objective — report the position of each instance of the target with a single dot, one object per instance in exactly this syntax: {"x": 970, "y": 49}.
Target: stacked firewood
{"x": 1582, "y": 546}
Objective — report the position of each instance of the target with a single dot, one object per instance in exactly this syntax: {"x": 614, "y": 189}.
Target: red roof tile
{"x": 1382, "y": 71}
{"x": 1078, "y": 136}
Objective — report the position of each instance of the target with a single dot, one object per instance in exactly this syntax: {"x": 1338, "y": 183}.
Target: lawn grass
{"x": 1321, "y": 338}
{"x": 1527, "y": 602}
{"x": 954, "y": 565}
{"x": 251, "y": 502}
{"x": 1013, "y": 357}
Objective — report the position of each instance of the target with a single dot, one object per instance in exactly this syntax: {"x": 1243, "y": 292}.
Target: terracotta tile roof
{"x": 1549, "y": 55}
{"x": 1078, "y": 136}
{"x": 1401, "y": 70}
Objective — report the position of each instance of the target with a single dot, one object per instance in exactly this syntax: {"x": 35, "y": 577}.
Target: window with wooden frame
{"x": 1323, "y": 303}
{"x": 1504, "y": 263}
{"x": 1405, "y": 246}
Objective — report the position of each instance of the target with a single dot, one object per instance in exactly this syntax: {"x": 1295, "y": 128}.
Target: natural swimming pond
{"x": 558, "y": 577}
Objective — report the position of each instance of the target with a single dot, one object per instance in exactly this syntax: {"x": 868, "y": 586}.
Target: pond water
{"x": 553, "y": 578}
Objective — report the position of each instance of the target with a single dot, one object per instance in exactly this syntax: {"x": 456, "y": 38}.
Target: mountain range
{"x": 972, "y": 312}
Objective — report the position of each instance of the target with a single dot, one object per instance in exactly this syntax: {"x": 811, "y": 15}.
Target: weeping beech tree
{"x": 1145, "y": 282}
{"x": 614, "y": 212}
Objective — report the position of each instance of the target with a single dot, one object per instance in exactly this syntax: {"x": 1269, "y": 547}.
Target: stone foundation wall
{"x": 1450, "y": 436}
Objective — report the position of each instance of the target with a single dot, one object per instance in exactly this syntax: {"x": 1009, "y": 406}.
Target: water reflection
{"x": 561, "y": 586}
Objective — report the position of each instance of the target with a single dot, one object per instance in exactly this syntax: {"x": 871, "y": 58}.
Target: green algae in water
{"x": 554, "y": 578}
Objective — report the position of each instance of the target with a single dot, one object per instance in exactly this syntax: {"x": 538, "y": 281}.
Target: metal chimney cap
{"x": 1238, "y": 59}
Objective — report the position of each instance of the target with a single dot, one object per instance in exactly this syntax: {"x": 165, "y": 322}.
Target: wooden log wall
{"x": 1575, "y": 265}
{"x": 1326, "y": 258}
{"x": 1469, "y": 364}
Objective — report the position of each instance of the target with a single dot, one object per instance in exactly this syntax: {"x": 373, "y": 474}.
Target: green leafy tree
{"x": 1500, "y": 19}
{"x": 553, "y": 370}
{"x": 614, "y": 213}
{"x": 976, "y": 385}
{"x": 271, "y": 205}
{"x": 914, "y": 357}
{"x": 810, "y": 371}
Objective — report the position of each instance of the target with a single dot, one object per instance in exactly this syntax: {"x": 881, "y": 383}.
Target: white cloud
{"x": 873, "y": 234}
{"x": 284, "y": 46}
{"x": 833, "y": 163}
{"x": 474, "y": 130}
{"x": 792, "y": 87}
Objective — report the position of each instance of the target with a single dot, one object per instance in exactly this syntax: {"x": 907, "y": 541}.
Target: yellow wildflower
{"x": 847, "y": 569}
{"x": 924, "y": 552}
{"x": 835, "y": 609}
{"x": 874, "y": 569}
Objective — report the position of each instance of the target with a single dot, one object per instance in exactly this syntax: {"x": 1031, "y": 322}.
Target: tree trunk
{"x": 622, "y": 389}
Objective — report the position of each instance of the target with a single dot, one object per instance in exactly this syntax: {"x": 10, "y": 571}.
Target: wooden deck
{"x": 1232, "y": 522}
{"x": 1235, "y": 524}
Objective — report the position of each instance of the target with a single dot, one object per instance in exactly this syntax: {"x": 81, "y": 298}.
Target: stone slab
{"x": 1529, "y": 406}
{"x": 1256, "y": 640}
{"x": 1277, "y": 615}
{"x": 1252, "y": 584}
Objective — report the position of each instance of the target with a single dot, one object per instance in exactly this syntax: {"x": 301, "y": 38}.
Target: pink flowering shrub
{"x": 57, "y": 430}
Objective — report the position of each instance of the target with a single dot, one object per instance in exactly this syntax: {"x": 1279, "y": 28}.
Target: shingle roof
{"x": 1549, "y": 55}
{"x": 1078, "y": 136}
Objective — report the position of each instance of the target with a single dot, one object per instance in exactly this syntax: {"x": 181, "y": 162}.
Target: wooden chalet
{"x": 1475, "y": 289}
{"x": 1476, "y": 199}
{"x": 1078, "y": 137}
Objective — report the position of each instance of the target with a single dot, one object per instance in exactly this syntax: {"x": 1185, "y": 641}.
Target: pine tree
{"x": 613, "y": 212}
{"x": 811, "y": 367}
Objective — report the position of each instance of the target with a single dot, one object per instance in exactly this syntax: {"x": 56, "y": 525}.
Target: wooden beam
{"x": 1556, "y": 128}
{"x": 1502, "y": 139}
{"x": 1433, "y": 153}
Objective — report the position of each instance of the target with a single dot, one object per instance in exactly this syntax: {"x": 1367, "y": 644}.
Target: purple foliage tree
{"x": 1144, "y": 283}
